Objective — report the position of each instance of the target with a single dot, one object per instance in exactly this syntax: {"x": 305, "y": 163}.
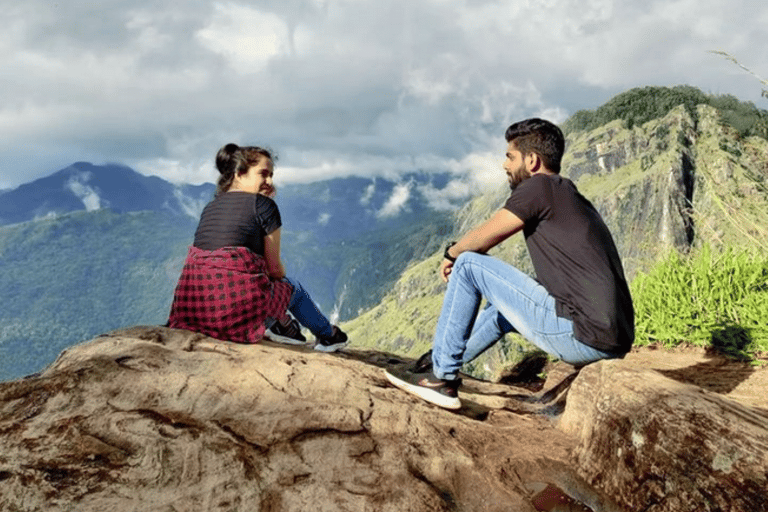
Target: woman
{"x": 233, "y": 284}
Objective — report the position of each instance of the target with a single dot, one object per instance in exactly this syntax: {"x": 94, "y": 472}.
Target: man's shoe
{"x": 288, "y": 333}
{"x": 333, "y": 343}
{"x": 443, "y": 393}
{"x": 423, "y": 364}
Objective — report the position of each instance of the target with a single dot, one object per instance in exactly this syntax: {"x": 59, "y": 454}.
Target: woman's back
{"x": 237, "y": 219}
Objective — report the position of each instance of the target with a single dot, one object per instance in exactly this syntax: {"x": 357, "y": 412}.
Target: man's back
{"x": 576, "y": 260}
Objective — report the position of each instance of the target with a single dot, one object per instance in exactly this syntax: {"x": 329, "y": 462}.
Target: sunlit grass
{"x": 709, "y": 298}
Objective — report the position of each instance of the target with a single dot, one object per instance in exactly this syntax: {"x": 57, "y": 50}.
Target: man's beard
{"x": 516, "y": 177}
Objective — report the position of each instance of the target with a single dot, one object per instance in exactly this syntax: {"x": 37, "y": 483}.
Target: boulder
{"x": 157, "y": 419}
{"x": 151, "y": 418}
{"x": 657, "y": 445}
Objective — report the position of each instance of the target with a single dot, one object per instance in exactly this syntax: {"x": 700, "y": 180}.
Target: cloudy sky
{"x": 339, "y": 87}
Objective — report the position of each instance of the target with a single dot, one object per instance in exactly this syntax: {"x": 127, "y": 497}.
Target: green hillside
{"x": 668, "y": 179}
{"x": 70, "y": 278}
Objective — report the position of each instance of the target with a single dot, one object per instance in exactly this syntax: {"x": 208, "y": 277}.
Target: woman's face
{"x": 258, "y": 179}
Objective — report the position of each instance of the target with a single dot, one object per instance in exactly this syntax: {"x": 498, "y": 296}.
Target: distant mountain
{"x": 84, "y": 186}
{"x": 92, "y": 248}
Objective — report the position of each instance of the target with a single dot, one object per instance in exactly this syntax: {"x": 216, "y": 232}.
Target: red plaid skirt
{"x": 227, "y": 294}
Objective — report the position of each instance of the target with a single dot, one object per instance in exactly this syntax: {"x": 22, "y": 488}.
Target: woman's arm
{"x": 275, "y": 267}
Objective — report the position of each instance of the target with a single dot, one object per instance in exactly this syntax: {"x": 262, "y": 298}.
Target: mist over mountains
{"x": 84, "y": 186}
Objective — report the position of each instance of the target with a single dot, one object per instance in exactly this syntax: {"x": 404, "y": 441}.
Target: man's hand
{"x": 445, "y": 269}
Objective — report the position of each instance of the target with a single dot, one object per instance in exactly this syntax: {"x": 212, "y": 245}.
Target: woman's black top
{"x": 237, "y": 219}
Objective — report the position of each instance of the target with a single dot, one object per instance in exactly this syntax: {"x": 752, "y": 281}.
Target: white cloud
{"x": 450, "y": 197}
{"x": 477, "y": 172}
{"x": 324, "y": 218}
{"x": 338, "y": 87}
{"x": 365, "y": 200}
{"x": 179, "y": 171}
{"x": 78, "y": 184}
{"x": 191, "y": 206}
{"x": 246, "y": 37}
{"x": 397, "y": 202}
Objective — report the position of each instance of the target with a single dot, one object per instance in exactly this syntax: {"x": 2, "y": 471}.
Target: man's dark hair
{"x": 541, "y": 137}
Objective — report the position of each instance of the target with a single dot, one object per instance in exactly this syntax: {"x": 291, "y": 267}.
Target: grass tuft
{"x": 709, "y": 299}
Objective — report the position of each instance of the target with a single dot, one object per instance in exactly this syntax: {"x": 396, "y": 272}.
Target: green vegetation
{"x": 717, "y": 299}
{"x": 642, "y": 104}
{"x": 70, "y": 278}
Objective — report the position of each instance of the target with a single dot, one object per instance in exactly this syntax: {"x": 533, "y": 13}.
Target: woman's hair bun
{"x": 227, "y": 159}
{"x": 233, "y": 160}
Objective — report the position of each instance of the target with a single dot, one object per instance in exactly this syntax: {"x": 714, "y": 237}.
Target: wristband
{"x": 447, "y": 255}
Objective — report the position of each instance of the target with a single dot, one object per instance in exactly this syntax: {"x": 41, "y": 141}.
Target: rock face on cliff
{"x": 151, "y": 418}
{"x": 674, "y": 183}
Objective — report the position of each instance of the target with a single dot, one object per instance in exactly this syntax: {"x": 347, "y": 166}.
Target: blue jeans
{"x": 304, "y": 309}
{"x": 516, "y": 303}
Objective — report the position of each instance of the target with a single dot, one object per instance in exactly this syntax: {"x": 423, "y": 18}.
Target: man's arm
{"x": 483, "y": 238}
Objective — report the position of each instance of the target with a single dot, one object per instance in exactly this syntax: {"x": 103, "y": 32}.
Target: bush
{"x": 710, "y": 299}
{"x": 642, "y": 104}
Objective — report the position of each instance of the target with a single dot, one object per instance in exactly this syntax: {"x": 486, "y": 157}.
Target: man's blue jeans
{"x": 304, "y": 309}
{"x": 516, "y": 303}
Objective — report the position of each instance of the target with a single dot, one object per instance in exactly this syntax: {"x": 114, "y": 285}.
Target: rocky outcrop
{"x": 157, "y": 419}
{"x": 672, "y": 183}
{"x": 660, "y": 445}
{"x": 151, "y": 418}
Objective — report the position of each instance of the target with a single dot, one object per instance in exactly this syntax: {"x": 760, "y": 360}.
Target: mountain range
{"x": 91, "y": 248}
{"x": 84, "y": 186}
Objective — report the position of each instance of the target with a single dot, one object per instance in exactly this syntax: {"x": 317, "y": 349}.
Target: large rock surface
{"x": 151, "y": 418}
{"x": 657, "y": 444}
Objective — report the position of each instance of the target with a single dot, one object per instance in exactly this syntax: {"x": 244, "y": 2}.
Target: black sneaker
{"x": 289, "y": 333}
{"x": 443, "y": 393}
{"x": 333, "y": 343}
{"x": 423, "y": 364}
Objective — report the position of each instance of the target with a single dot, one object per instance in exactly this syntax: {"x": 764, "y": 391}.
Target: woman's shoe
{"x": 288, "y": 333}
{"x": 333, "y": 343}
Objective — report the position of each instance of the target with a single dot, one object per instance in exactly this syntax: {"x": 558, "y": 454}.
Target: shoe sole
{"x": 430, "y": 395}
{"x": 283, "y": 339}
{"x": 329, "y": 348}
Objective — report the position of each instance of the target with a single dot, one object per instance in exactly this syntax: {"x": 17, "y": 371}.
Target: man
{"x": 578, "y": 308}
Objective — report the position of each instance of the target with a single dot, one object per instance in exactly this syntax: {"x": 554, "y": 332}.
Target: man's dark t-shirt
{"x": 576, "y": 260}
{"x": 237, "y": 219}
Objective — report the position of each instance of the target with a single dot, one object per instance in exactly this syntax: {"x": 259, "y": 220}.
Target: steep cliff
{"x": 674, "y": 183}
